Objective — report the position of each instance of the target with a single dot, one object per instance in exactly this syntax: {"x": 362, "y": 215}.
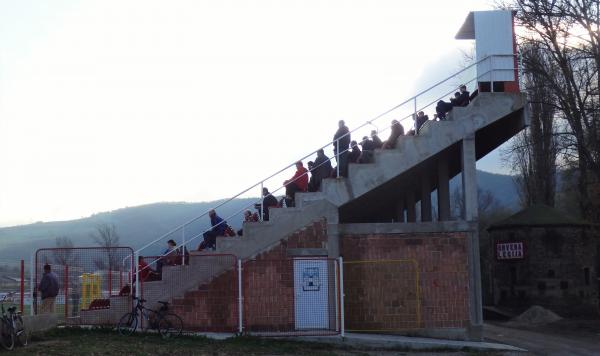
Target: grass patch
{"x": 105, "y": 341}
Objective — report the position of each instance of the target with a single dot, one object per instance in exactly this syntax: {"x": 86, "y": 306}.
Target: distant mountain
{"x": 142, "y": 224}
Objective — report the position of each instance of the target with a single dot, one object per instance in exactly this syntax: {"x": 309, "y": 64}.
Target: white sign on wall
{"x": 510, "y": 251}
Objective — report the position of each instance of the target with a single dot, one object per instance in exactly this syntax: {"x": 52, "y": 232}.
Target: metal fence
{"x": 94, "y": 284}
{"x": 220, "y": 293}
{"x": 14, "y": 284}
{"x": 382, "y": 295}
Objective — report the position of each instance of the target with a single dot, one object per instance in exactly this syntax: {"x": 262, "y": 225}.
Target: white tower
{"x": 494, "y": 35}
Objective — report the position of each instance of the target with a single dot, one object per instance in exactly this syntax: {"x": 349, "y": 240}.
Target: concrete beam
{"x": 443, "y": 191}
{"x": 426, "y": 195}
{"x": 406, "y": 228}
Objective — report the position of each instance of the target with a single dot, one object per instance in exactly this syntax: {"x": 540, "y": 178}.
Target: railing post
{"x": 136, "y": 265}
{"x": 240, "y": 298}
{"x": 22, "y": 299}
{"x": 262, "y": 201}
{"x": 66, "y": 293}
{"x": 491, "y": 74}
{"x": 183, "y": 245}
{"x": 337, "y": 156}
{"x": 342, "y": 327}
{"x": 415, "y": 112}
{"x": 32, "y": 272}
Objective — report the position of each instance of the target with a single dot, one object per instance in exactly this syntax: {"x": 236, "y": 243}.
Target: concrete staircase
{"x": 370, "y": 193}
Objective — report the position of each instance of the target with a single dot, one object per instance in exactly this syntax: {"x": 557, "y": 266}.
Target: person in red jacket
{"x": 298, "y": 183}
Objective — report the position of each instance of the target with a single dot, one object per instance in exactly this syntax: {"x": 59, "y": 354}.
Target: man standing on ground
{"x": 49, "y": 289}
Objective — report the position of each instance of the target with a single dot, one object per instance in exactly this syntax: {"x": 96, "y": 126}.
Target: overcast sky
{"x": 108, "y": 104}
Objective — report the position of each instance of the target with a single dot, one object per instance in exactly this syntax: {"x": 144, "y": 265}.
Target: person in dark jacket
{"x": 377, "y": 143}
{"x": 49, "y": 290}
{"x": 322, "y": 168}
{"x": 219, "y": 227}
{"x": 341, "y": 142}
{"x": 397, "y": 131}
{"x": 368, "y": 146}
{"x": 354, "y": 153}
{"x": 461, "y": 98}
{"x": 298, "y": 183}
{"x": 269, "y": 201}
{"x": 420, "y": 120}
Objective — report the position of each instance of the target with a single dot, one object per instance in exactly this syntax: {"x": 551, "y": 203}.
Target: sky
{"x": 109, "y": 104}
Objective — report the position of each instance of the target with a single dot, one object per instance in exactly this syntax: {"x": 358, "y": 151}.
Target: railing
{"x": 405, "y": 110}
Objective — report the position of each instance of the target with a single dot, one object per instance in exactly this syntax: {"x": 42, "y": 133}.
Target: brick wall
{"x": 267, "y": 285}
{"x": 383, "y": 295}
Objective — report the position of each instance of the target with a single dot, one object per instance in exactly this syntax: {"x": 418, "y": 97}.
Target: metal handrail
{"x": 368, "y": 122}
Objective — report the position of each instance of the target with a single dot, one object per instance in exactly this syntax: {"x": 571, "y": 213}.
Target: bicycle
{"x": 168, "y": 324}
{"x": 12, "y": 326}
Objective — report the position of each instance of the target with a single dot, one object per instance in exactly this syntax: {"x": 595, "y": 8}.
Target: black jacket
{"x": 344, "y": 140}
{"x": 462, "y": 100}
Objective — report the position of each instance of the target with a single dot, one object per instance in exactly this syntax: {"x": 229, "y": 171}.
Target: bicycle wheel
{"x": 170, "y": 326}
{"x": 7, "y": 336}
{"x": 127, "y": 324}
{"x": 20, "y": 332}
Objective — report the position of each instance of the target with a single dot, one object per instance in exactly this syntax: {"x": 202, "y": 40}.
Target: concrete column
{"x": 426, "y": 196}
{"x": 333, "y": 241}
{"x": 469, "y": 185}
{"x": 469, "y": 179}
{"x": 400, "y": 210}
{"x": 411, "y": 213}
{"x": 443, "y": 190}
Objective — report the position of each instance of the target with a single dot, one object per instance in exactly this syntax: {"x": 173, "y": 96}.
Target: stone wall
{"x": 559, "y": 270}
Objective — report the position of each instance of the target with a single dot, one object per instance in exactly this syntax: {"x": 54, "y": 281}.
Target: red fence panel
{"x": 88, "y": 293}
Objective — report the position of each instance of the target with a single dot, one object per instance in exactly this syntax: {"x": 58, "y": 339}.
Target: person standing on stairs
{"x": 298, "y": 183}
{"x": 341, "y": 142}
{"x": 397, "y": 131}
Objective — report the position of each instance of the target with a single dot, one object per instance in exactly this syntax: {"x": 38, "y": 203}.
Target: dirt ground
{"x": 561, "y": 338}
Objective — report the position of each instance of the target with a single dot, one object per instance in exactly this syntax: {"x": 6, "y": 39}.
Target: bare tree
{"x": 63, "y": 255}
{"x": 533, "y": 153}
{"x": 567, "y": 33}
{"x": 106, "y": 236}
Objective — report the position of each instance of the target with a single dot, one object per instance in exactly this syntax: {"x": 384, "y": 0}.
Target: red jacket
{"x": 302, "y": 181}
